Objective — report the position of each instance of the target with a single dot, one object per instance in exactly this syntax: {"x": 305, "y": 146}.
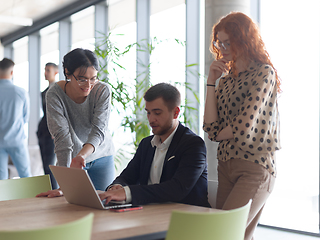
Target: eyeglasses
{"x": 82, "y": 81}
{"x": 220, "y": 45}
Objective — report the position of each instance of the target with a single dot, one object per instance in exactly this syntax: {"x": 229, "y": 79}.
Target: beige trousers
{"x": 241, "y": 180}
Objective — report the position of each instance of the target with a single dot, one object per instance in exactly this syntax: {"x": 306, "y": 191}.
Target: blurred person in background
{"x": 44, "y": 137}
{"x": 14, "y": 114}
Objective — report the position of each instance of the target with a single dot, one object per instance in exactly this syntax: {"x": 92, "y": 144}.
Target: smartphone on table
{"x": 126, "y": 209}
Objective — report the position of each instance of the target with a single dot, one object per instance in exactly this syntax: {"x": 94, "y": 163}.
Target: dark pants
{"x": 48, "y": 157}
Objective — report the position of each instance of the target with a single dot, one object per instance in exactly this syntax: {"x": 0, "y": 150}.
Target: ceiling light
{"x": 16, "y": 20}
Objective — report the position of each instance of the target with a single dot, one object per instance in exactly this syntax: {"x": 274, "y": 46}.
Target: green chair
{"x": 24, "y": 187}
{"x": 224, "y": 225}
{"x": 79, "y": 229}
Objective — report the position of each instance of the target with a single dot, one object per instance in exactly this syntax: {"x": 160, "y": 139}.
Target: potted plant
{"x": 126, "y": 100}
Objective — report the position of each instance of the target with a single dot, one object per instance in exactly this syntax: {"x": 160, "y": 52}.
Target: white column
{"x": 8, "y": 51}
{"x": 143, "y": 33}
{"x": 143, "y": 37}
{"x": 101, "y": 31}
{"x": 64, "y": 41}
{"x": 34, "y": 86}
{"x": 193, "y": 56}
{"x": 101, "y": 21}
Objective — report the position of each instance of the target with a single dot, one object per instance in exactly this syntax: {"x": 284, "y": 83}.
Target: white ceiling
{"x": 35, "y": 9}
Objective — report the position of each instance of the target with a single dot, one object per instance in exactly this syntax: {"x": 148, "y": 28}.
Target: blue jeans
{"x": 20, "y": 158}
{"x": 101, "y": 172}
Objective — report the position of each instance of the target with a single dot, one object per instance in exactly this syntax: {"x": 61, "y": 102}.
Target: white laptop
{"x": 77, "y": 188}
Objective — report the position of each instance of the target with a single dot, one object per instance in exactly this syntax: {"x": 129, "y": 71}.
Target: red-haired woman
{"x": 241, "y": 113}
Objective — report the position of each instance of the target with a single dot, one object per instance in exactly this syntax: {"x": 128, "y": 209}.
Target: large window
{"x": 168, "y": 35}
{"x": 49, "y": 51}
{"x": 21, "y": 68}
{"x": 122, "y": 29}
{"x": 291, "y": 33}
{"x": 167, "y": 26}
{"x": 83, "y": 29}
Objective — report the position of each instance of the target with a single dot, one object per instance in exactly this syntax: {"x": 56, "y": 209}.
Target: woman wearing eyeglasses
{"x": 78, "y": 111}
{"x": 241, "y": 113}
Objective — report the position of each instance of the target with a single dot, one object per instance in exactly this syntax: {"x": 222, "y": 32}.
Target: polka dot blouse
{"x": 248, "y": 103}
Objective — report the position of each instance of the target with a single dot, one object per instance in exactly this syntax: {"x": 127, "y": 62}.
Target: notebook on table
{"x": 78, "y": 188}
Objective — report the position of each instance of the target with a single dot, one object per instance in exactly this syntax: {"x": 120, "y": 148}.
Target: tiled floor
{"x": 263, "y": 233}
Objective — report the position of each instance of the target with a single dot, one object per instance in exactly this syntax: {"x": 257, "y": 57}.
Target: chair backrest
{"x": 24, "y": 187}
{"x": 224, "y": 225}
{"x": 79, "y": 229}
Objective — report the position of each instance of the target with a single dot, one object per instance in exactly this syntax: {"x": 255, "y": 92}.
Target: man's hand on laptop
{"x": 114, "y": 187}
{"x": 51, "y": 193}
{"x": 115, "y": 193}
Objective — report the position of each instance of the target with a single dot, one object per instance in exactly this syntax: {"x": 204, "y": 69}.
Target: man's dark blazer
{"x": 184, "y": 174}
{"x": 43, "y": 131}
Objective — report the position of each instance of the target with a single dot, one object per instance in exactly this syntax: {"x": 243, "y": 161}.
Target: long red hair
{"x": 245, "y": 41}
